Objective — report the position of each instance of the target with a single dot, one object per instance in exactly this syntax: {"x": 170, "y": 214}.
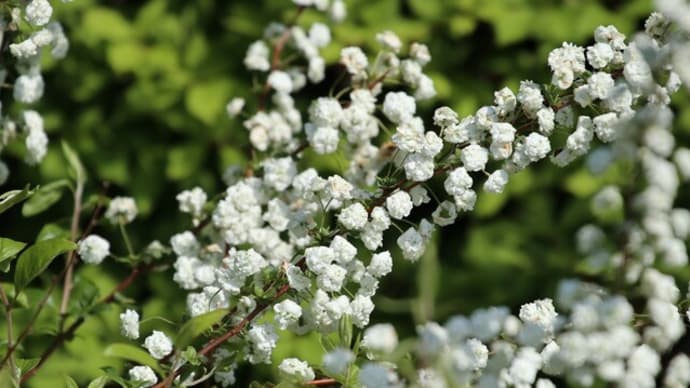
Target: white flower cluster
{"x": 28, "y": 86}
{"x": 272, "y": 228}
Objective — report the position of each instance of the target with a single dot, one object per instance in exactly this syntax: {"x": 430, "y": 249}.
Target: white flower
{"x": 317, "y": 69}
{"x": 320, "y": 34}
{"x": 545, "y": 117}
{"x": 337, "y": 361}
{"x": 192, "y": 201}
{"x": 324, "y": 140}
{"x": 158, "y": 344}
{"x": 296, "y": 369}
{"x": 536, "y": 146}
{"x": 38, "y": 12}
{"x": 28, "y": 88}
{"x": 389, "y": 40}
{"x": 530, "y": 97}
{"x": 144, "y": 376}
{"x": 129, "y": 324}
{"x": 599, "y": 55}
{"x": 263, "y": 340}
{"x": 399, "y": 107}
{"x": 474, "y": 157}
{"x": 354, "y": 60}
{"x": 36, "y": 146}
{"x": 409, "y": 135}
{"x": 93, "y": 249}
{"x": 373, "y": 375}
{"x": 600, "y": 84}
{"x": 380, "y": 338}
{"x": 445, "y": 213}
{"x": 257, "y": 57}
{"x": 338, "y": 188}
{"x": 325, "y": 112}
{"x": 353, "y": 217}
{"x": 420, "y": 53}
{"x": 287, "y": 313}
{"x": 331, "y": 278}
{"x": 419, "y": 167}
{"x": 234, "y": 107}
{"x": 496, "y": 181}
{"x": 280, "y": 81}
{"x": 540, "y": 313}
{"x": 458, "y": 181}
{"x": 399, "y": 205}
{"x": 381, "y": 264}
{"x": 505, "y": 101}
{"x": 412, "y": 244}
{"x": 360, "y": 309}
{"x": 605, "y": 126}
{"x": 278, "y": 173}
{"x": 121, "y": 210}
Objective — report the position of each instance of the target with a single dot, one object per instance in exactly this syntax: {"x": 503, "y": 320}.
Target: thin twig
{"x": 10, "y": 327}
{"x": 66, "y": 335}
{"x": 71, "y": 258}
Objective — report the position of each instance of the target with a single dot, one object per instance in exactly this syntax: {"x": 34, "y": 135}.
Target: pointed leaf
{"x": 132, "y": 353}
{"x": 75, "y": 163}
{"x": 98, "y": 382}
{"x": 45, "y": 197}
{"x": 9, "y": 248}
{"x": 196, "y": 326}
{"x": 37, "y": 258}
{"x": 13, "y": 197}
{"x": 70, "y": 383}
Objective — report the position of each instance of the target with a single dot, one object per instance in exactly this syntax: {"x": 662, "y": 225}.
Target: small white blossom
{"x": 144, "y": 376}
{"x": 121, "y": 210}
{"x": 129, "y": 324}
{"x": 158, "y": 344}
{"x": 296, "y": 369}
{"x": 93, "y": 249}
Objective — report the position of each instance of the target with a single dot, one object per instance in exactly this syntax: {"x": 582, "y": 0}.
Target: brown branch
{"x": 71, "y": 258}
{"x": 325, "y": 381}
{"x": 59, "y": 340}
{"x": 67, "y": 335}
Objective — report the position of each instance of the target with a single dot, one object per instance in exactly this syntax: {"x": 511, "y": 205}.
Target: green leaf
{"x": 132, "y": 353}
{"x": 98, "y": 382}
{"x": 196, "y": 326}
{"x": 13, "y": 197}
{"x": 37, "y": 258}
{"x": 77, "y": 168}
{"x": 25, "y": 364}
{"x": 9, "y": 248}
{"x": 70, "y": 383}
{"x": 45, "y": 197}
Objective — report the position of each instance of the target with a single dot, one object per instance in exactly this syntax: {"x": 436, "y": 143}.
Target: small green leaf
{"x": 196, "y": 326}
{"x": 45, "y": 197}
{"x": 25, "y": 364}
{"x": 75, "y": 163}
{"x": 9, "y": 248}
{"x": 37, "y": 258}
{"x": 70, "y": 383}
{"x": 13, "y": 197}
{"x": 98, "y": 382}
{"x": 132, "y": 353}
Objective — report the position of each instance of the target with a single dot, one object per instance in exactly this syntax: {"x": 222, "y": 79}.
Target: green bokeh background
{"x": 141, "y": 97}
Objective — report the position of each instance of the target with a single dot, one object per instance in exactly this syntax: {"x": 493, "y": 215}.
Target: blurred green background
{"x": 141, "y": 97}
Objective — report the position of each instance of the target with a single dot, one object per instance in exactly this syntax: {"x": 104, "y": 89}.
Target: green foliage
{"x": 35, "y": 259}
{"x": 132, "y": 353}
